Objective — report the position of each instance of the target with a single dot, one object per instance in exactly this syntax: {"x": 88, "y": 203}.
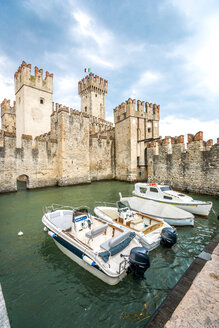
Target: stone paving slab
{"x": 4, "y": 322}
{"x": 200, "y": 306}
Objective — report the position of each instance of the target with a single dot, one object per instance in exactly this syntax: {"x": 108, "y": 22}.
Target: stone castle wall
{"x": 35, "y": 159}
{"x": 133, "y": 125}
{"x": 33, "y": 101}
{"x": 47, "y": 145}
{"x": 195, "y": 169}
{"x": 78, "y": 149}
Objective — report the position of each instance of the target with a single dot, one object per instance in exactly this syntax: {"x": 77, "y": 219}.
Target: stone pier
{"x": 4, "y": 322}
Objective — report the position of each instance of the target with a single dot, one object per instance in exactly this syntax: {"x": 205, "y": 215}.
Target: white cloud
{"x": 174, "y": 126}
{"x": 87, "y": 27}
{"x": 200, "y": 50}
{"x": 98, "y": 45}
{"x": 66, "y": 92}
{"x": 146, "y": 79}
{"x": 6, "y": 83}
{"x": 6, "y": 88}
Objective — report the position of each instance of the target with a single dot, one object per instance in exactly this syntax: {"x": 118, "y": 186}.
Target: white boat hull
{"x": 170, "y": 214}
{"x": 96, "y": 272}
{"x": 180, "y": 223}
{"x": 196, "y": 208}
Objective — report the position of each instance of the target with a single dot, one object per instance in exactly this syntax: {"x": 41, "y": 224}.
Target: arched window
{"x": 22, "y": 182}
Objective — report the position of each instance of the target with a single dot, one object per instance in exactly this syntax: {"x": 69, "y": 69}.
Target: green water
{"x": 44, "y": 288}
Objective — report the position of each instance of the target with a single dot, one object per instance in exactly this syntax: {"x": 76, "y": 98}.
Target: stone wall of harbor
{"x": 35, "y": 160}
{"x": 78, "y": 149}
{"x": 195, "y": 168}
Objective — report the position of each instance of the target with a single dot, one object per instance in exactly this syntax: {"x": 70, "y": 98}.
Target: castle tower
{"x": 92, "y": 91}
{"x": 33, "y": 101}
{"x": 8, "y": 117}
{"x": 134, "y": 127}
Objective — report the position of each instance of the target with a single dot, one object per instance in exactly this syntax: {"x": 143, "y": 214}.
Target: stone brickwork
{"x": 36, "y": 160}
{"x": 133, "y": 126}
{"x": 8, "y": 116}
{"x": 33, "y": 101}
{"x": 195, "y": 169}
{"x": 43, "y": 144}
{"x": 92, "y": 91}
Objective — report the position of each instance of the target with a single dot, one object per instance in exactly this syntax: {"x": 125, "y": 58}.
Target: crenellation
{"x": 2, "y": 143}
{"x": 92, "y": 90}
{"x": 198, "y": 136}
{"x": 92, "y": 82}
{"x": 64, "y": 146}
{"x": 194, "y": 168}
{"x": 23, "y": 77}
{"x": 143, "y": 110}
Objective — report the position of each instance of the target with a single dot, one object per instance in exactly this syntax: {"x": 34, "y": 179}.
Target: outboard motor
{"x": 168, "y": 237}
{"x": 139, "y": 261}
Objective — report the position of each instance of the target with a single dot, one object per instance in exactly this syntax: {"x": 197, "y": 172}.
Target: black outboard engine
{"x": 168, "y": 237}
{"x": 139, "y": 261}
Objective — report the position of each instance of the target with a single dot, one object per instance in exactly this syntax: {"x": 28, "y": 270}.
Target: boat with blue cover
{"x": 103, "y": 249}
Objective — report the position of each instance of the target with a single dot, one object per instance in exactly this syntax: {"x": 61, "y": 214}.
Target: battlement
{"x": 172, "y": 142}
{"x": 197, "y": 137}
{"x": 143, "y": 110}
{"x": 23, "y": 77}
{"x": 93, "y": 82}
{"x": 98, "y": 125}
{"x": 8, "y": 116}
{"x": 92, "y": 119}
{"x": 6, "y": 107}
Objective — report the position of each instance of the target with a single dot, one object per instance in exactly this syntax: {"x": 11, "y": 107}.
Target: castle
{"x": 47, "y": 144}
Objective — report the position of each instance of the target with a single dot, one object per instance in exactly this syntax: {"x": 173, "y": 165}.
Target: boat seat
{"x": 62, "y": 222}
{"x": 54, "y": 215}
{"x": 96, "y": 231}
{"x": 136, "y": 221}
{"x": 114, "y": 241}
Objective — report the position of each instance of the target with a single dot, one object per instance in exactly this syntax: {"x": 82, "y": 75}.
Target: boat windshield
{"x": 166, "y": 188}
{"x": 124, "y": 205}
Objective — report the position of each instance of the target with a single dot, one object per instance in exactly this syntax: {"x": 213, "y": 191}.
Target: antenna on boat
{"x": 73, "y": 218}
{"x": 120, "y": 195}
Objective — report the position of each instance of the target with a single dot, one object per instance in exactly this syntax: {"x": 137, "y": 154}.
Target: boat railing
{"x": 122, "y": 265}
{"x": 55, "y": 207}
{"x": 106, "y": 204}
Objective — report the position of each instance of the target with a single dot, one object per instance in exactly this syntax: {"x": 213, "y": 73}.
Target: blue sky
{"x": 165, "y": 52}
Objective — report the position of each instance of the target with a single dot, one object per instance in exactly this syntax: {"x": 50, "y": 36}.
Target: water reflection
{"x": 44, "y": 288}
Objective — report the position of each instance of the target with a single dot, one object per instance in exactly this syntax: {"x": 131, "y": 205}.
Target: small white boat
{"x": 164, "y": 194}
{"x": 105, "y": 250}
{"x": 151, "y": 232}
{"x": 170, "y": 214}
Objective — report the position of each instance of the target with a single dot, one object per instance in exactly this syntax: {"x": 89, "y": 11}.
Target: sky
{"x": 165, "y": 52}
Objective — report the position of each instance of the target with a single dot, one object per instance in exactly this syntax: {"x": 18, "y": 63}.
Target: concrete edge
{"x": 4, "y": 321}
{"x": 168, "y": 306}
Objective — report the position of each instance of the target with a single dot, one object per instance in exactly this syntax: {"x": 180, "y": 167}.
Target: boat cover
{"x": 155, "y": 209}
{"x": 118, "y": 248}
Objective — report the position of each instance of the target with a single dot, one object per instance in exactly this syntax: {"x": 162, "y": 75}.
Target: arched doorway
{"x": 22, "y": 182}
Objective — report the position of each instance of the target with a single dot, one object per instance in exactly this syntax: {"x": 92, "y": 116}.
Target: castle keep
{"x": 47, "y": 144}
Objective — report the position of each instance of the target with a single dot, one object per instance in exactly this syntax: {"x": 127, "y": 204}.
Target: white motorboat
{"x": 171, "y": 214}
{"x": 103, "y": 249}
{"x": 151, "y": 232}
{"x": 164, "y": 194}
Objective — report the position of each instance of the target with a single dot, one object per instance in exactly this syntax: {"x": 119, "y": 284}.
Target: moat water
{"x": 44, "y": 288}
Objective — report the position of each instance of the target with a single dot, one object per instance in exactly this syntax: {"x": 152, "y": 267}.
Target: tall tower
{"x": 33, "y": 101}
{"x": 92, "y": 91}
{"x": 134, "y": 127}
